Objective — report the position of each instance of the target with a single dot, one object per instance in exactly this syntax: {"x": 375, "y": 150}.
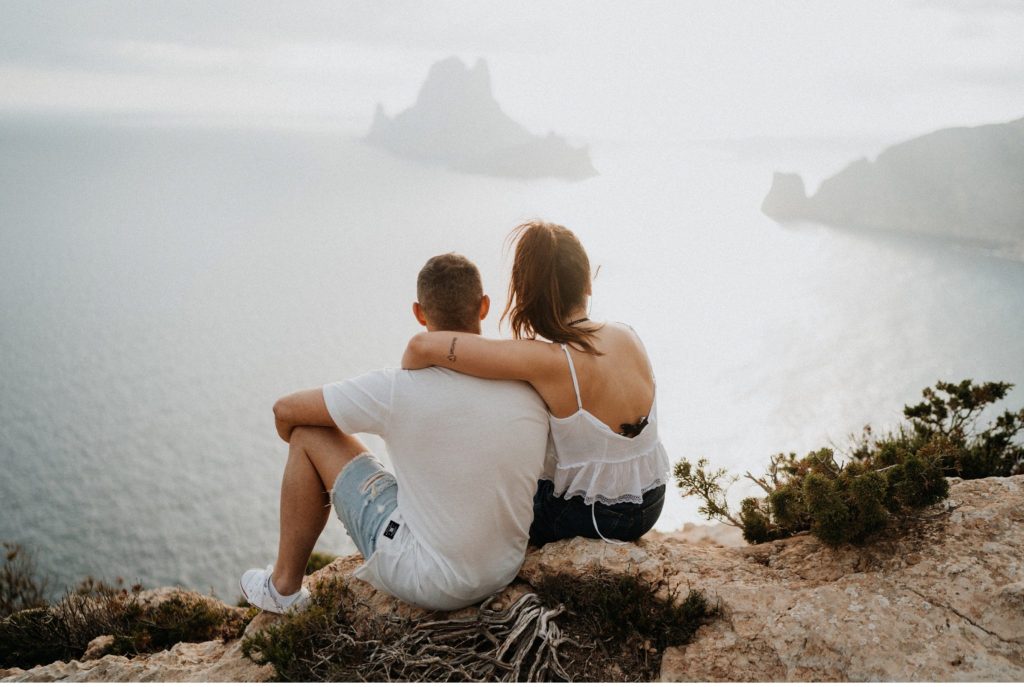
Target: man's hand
{"x": 301, "y": 408}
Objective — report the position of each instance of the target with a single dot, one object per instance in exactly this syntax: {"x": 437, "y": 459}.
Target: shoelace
{"x": 270, "y": 591}
{"x": 273, "y": 599}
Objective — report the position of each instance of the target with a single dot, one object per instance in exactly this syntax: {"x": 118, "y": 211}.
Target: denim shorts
{"x": 556, "y": 518}
{"x": 364, "y": 495}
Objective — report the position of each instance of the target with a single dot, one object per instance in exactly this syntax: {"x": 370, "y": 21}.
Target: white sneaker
{"x": 259, "y": 591}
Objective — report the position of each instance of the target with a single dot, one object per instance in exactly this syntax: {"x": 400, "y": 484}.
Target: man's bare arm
{"x": 305, "y": 407}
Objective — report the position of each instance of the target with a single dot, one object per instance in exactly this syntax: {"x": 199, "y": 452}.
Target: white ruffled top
{"x": 586, "y": 458}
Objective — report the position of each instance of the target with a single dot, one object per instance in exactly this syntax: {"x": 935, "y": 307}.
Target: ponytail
{"x": 550, "y": 278}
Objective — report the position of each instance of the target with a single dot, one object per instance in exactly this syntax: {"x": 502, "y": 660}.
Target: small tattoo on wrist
{"x": 451, "y": 351}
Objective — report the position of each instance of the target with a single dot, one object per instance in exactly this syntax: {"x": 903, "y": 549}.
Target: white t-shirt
{"x": 467, "y": 454}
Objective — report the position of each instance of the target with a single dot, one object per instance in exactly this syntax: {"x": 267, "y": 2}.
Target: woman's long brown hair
{"x": 550, "y": 279}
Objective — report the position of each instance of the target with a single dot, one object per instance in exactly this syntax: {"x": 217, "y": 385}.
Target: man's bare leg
{"x": 316, "y": 455}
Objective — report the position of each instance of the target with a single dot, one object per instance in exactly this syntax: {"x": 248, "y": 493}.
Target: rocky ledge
{"x": 938, "y": 598}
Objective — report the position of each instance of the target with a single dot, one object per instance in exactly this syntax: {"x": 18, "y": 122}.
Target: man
{"x": 450, "y": 527}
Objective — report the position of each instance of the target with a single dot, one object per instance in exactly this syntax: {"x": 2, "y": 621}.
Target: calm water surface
{"x": 160, "y": 288}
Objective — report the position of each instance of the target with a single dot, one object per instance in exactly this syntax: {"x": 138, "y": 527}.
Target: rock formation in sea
{"x": 456, "y": 121}
{"x": 937, "y": 598}
{"x": 965, "y": 183}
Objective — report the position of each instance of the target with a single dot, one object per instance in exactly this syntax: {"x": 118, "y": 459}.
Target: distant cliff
{"x": 457, "y": 122}
{"x": 964, "y": 183}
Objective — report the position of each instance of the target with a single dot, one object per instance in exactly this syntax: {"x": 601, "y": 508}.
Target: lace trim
{"x": 612, "y": 500}
{"x": 609, "y": 483}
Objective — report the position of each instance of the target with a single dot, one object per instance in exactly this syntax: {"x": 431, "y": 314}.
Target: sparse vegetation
{"x": 597, "y": 626}
{"x": 41, "y": 634}
{"x": 21, "y": 586}
{"x": 317, "y": 560}
{"x": 631, "y": 620}
{"x": 889, "y": 475}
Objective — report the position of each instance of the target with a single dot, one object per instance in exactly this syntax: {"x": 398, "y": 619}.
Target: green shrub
{"x": 756, "y": 522}
{"x": 889, "y": 475}
{"x": 317, "y": 645}
{"x": 180, "y": 618}
{"x": 830, "y": 518}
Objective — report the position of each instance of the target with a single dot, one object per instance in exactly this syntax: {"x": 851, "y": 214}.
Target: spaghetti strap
{"x": 575, "y": 382}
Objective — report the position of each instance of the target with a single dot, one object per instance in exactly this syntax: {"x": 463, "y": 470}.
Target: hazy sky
{"x": 595, "y": 70}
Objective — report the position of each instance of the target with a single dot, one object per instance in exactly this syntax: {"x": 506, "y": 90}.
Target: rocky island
{"x": 456, "y": 122}
{"x": 964, "y": 184}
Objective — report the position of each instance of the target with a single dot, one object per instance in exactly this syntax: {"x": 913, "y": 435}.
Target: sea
{"x": 162, "y": 283}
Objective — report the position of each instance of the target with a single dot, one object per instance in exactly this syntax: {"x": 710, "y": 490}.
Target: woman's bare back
{"x": 616, "y": 388}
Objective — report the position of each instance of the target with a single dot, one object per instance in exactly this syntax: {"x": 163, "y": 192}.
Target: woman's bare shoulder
{"x": 622, "y": 333}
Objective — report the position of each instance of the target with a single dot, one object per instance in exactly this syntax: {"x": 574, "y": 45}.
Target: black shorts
{"x": 556, "y": 518}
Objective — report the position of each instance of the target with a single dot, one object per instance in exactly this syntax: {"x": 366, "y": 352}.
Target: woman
{"x": 599, "y": 481}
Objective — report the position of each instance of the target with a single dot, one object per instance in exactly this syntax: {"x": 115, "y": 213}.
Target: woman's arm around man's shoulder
{"x": 475, "y": 355}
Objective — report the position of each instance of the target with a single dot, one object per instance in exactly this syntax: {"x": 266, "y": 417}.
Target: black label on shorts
{"x": 392, "y": 527}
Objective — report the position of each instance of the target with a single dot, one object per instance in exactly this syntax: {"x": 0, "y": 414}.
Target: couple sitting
{"x": 483, "y": 462}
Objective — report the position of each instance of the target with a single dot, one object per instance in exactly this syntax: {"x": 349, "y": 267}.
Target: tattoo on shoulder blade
{"x": 451, "y": 351}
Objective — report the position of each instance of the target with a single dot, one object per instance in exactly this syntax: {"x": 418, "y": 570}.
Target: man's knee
{"x": 328, "y": 448}
{"x": 310, "y": 436}
{"x": 303, "y": 434}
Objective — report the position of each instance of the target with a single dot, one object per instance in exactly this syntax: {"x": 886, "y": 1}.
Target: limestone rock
{"x": 98, "y": 647}
{"x": 937, "y": 598}
{"x": 940, "y": 602}
{"x": 214, "y": 661}
{"x": 717, "y": 534}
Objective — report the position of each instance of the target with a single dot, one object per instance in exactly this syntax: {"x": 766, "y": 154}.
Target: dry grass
{"x": 596, "y": 627}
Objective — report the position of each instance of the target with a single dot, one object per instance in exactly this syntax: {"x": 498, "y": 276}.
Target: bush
{"x": 633, "y": 620}
{"x": 62, "y": 632}
{"x": 319, "y": 644}
{"x": 894, "y": 474}
{"x": 180, "y": 618}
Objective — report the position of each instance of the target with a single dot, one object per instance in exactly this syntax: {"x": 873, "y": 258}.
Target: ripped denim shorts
{"x": 364, "y": 496}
